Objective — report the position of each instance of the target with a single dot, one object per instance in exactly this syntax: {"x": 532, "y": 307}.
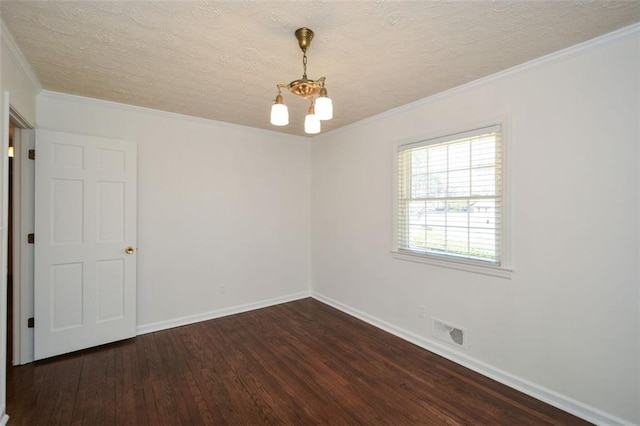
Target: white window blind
{"x": 450, "y": 196}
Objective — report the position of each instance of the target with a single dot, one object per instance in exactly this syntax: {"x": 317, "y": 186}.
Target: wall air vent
{"x": 449, "y": 333}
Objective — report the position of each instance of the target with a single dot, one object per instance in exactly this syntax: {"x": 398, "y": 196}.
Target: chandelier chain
{"x": 304, "y": 65}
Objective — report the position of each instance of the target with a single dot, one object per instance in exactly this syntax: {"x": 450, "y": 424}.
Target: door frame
{"x": 22, "y": 214}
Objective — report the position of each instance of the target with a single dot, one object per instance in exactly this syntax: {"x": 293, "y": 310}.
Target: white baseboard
{"x": 205, "y": 316}
{"x": 4, "y": 420}
{"x": 565, "y": 403}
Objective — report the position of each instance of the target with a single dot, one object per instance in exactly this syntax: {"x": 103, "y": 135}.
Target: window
{"x": 450, "y": 197}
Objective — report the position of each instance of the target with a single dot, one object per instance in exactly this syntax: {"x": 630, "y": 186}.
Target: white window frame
{"x": 503, "y": 270}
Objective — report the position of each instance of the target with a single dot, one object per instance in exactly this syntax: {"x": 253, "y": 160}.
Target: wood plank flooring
{"x": 298, "y": 363}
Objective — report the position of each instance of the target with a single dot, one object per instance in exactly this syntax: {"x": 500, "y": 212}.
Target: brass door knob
{"x": 129, "y": 250}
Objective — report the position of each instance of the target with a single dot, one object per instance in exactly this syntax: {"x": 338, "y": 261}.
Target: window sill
{"x": 461, "y": 265}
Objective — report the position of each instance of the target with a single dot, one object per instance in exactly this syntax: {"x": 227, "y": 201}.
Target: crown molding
{"x": 18, "y": 58}
{"x": 166, "y": 114}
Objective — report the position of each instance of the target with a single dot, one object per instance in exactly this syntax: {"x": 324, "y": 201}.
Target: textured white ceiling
{"x": 222, "y": 59}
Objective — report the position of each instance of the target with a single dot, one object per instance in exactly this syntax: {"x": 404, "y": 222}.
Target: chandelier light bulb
{"x": 324, "y": 106}
{"x": 279, "y": 112}
{"x": 311, "y": 122}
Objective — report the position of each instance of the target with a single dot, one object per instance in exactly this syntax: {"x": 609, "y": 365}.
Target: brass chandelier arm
{"x": 304, "y": 88}
{"x": 319, "y": 82}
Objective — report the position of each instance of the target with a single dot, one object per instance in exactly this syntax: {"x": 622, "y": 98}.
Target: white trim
{"x": 165, "y": 114}
{"x": 4, "y": 215}
{"x": 18, "y": 57}
{"x": 637, "y": 132}
{"x": 460, "y": 265}
{"x": 18, "y": 119}
{"x": 465, "y": 134}
{"x": 541, "y": 393}
{"x": 22, "y": 224}
{"x": 24, "y": 170}
{"x": 4, "y": 419}
{"x": 218, "y": 313}
{"x": 534, "y": 63}
{"x": 16, "y": 229}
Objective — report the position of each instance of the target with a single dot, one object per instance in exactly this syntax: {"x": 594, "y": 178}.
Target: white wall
{"x": 566, "y": 325}
{"x": 17, "y": 78}
{"x": 218, "y": 206}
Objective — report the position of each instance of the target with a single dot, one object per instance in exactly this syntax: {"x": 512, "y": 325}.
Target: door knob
{"x": 129, "y": 250}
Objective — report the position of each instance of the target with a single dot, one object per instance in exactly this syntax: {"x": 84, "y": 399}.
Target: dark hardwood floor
{"x": 298, "y": 363}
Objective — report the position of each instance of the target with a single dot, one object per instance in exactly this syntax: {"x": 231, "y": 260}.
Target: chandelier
{"x": 320, "y": 108}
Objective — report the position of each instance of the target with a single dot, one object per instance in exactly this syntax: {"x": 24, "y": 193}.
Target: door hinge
{"x": 32, "y": 154}
{"x": 30, "y": 323}
{"x": 31, "y": 238}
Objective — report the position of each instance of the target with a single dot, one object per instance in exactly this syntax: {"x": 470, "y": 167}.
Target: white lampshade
{"x": 324, "y": 108}
{"x": 279, "y": 115}
{"x": 311, "y": 124}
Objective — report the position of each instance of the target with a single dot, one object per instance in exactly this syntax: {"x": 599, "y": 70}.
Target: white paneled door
{"x": 85, "y": 242}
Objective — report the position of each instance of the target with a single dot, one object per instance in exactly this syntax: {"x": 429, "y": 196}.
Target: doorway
{"x": 10, "y": 232}
{"x": 19, "y": 295}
